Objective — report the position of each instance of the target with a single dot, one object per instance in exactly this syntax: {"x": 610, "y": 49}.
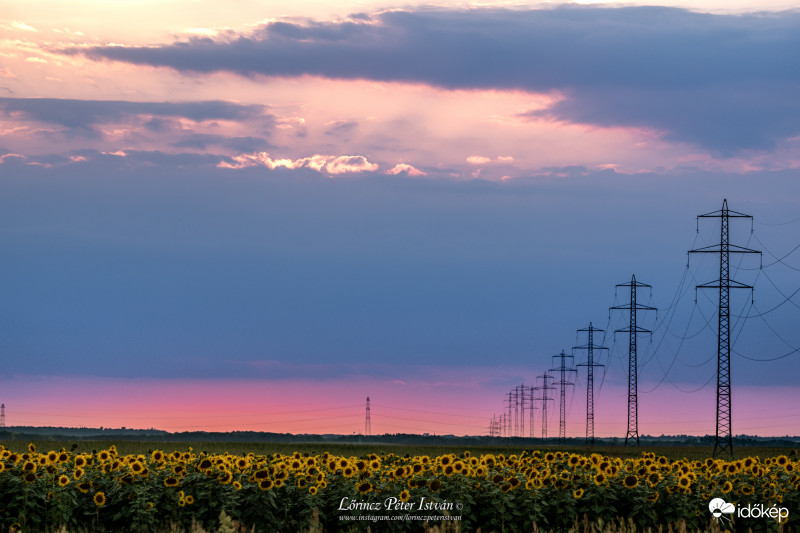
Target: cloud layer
{"x": 723, "y": 82}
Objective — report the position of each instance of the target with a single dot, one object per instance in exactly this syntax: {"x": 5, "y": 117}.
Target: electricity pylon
{"x": 724, "y": 437}
{"x": 563, "y": 384}
{"x": 590, "y": 347}
{"x": 633, "y": 329}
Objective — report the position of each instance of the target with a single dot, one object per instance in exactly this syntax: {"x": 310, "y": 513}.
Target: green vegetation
{"x": 358, "y": 450}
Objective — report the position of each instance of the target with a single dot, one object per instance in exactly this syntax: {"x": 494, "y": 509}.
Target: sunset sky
{"x": 255, "y": 214}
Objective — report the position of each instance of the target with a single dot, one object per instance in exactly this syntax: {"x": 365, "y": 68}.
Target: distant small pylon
{"x": 2, "y": 415}
{"x": 367, "y": 421}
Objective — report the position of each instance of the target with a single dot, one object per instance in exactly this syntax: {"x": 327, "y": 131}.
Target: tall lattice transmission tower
{"x": 633, "y": 369}
{"x": 723, "y": 443}
{"x": 544, "y": 398}
{"x": 563, "y": 383}
{"x": 367, "y": 421}
{"x": 590, "y": 365}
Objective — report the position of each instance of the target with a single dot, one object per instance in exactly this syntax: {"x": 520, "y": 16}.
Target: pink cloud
{"x": 408, "y": 169}
{"x": 478, "y": 160}
{"x": 350, "y": 163}
{"x": 331, "y": 164}
{"x": 9, "y": 156}
{"x": 482, "y": 160}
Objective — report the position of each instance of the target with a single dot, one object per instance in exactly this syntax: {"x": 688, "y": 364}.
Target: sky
{"x": 253, "y": 218}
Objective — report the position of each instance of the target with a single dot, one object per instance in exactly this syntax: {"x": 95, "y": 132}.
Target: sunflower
{"x": 78, "y": 473}
{"x": 171, "y": 481}
{"x": 684, "y": 482}
{"x": 104, "y": 455}
{"x": 29, "y": 466}
{"x": 52, "y": 456}
{"x": 374, "y": 464}
{"x": 364, "y": 487}
{"x": 404, "y": 496}
{"x": 32, "y": 447}
{"x": 84, "y": 486}
{"x": 630, "y": 482}
{"x": 578, "y": 493}
{"x": 266, "y": 484}
{"x": 435, "y": 485}
{"x": 80, "y": 461}
{"x": 99, "y": 499}
{"x": 63, "y": 480}
{"x": 653, "y": 479}
{"x": 449, "y": 470}
{"x": 727, "y": 487}
{"x": 312, "y": 490}
{"x": 349, "y": 471}
{"x": 747, "y": 490}
{"x": 225, "y": 477}
{"x": 506, "y": 487}
{"x": 599, "y": 478}
{"x": 653, "y": 497}
{"x": 189, "y": 499}
{"x": 445, "y": 460}
{"x": 459, "y": 467}
{"x": 29, "y": 477}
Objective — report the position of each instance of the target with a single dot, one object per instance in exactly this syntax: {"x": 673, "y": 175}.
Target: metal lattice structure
{"x": 633, "y": 369}
{"x": 723, "y": 443}
{"x": 590, "y": 365}
{"x": 367, "y": 421}
{"x": 563, "y": 384}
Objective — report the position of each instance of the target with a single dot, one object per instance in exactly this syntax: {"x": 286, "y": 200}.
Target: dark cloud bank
{"x": 86, "y": 114}
{"x": 725, "y": 82}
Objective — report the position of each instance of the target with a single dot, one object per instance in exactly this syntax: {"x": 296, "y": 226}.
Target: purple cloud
{"x": 724, "y": 82}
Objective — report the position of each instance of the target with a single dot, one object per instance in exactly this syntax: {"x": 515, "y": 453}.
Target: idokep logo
{"x": 720, "y": 507}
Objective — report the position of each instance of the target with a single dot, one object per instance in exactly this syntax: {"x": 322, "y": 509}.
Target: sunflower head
{"x": 99, "y": 499}
{"x": 630, "y": 482}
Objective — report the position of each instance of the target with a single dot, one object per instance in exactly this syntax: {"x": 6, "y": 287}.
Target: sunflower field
{"x": 43, "y": 491}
